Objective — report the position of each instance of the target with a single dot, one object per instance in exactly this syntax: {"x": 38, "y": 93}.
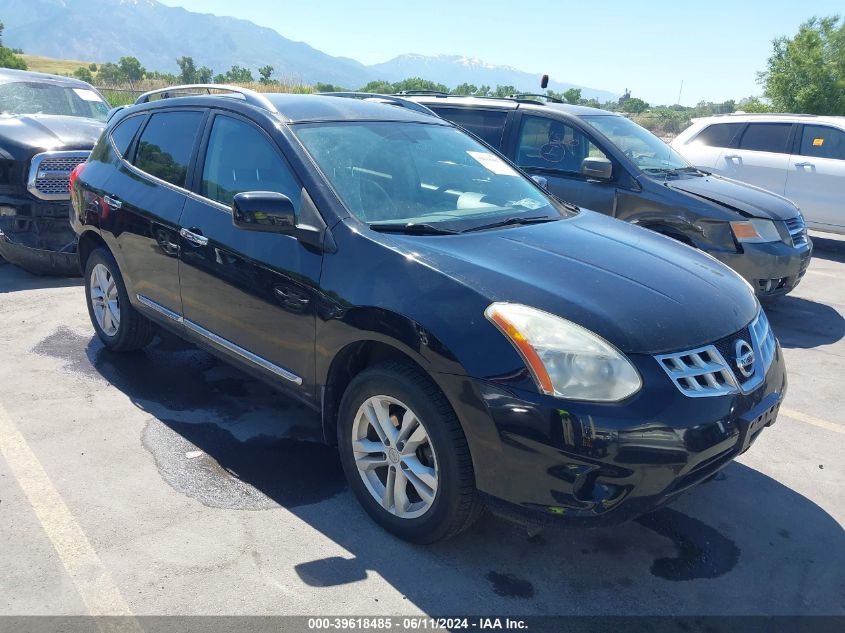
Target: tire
{"x": 131, "y": 330}
{"x": 455, "y": 504}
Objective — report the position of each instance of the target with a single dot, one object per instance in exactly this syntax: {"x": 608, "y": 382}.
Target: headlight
{"x": 565, "y": 359}
{"x": 755, "y": 231}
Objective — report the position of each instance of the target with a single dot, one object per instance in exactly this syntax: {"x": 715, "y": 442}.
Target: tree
{"x": 465, "y": 89}
{"x": 382, "y": 87}
{"x": 131, "y": 70}
{"x": 238, "y": 75}
{"x": 418, "y": 83}
{"x": 321, "y": 87}
{"x": 110, "y": 74}
{"x": 265, "y": 72}
{"x": 92, "y": 67}
{"x": 806, "y": 73}
{"x": 754, "y": 104}
{"x": 504, "y": 91}
{"x": 84, "y": 74}
{"x": 634, "y": 105}
{"x": 573, "y": 95}
{"x": 8, "y": 59}
{"x": 204, "y": 75}
{"x": 187, "y": 70}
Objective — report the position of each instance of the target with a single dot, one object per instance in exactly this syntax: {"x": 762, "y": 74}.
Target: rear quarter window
{"x": 719, "y": 134}
{"x": 124, "y": 132}
{"x": 488, "y": 125}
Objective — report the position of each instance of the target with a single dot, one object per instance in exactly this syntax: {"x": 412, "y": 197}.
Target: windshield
{"x": 647, "y": 151}
{"x": 399, "y": 174}
{"x": 32, "y": 97}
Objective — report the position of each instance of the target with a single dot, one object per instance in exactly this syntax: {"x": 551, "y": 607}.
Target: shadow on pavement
{"x": 828, "y": 248}
{"x": 801, "y": 323}
{"x": 13, "y": 279}
{"x": 742, "y": 543}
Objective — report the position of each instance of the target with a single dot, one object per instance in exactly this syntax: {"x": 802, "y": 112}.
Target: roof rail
{"x": 530, "y": 96}
{"x": 388, "y": 99}
{"x": 743, "y": 113}
{"x": 250, "y": 96}
{"x": 423, "y": 92}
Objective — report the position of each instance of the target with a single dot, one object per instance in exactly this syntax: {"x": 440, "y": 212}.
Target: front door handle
{"x": 194, "y": 238}
{"x": 803, "y": 165}
{"x": 734, "y": 157}
{"x": 114, "y": 203}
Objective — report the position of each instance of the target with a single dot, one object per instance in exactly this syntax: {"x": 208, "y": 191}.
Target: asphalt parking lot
{"x": 165, "y": 482}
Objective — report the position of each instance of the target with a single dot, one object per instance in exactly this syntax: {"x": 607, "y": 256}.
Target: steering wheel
{"x": 373, "y": 194}
{"x": 450, "y": 185}
{"x": 553, "y": 152}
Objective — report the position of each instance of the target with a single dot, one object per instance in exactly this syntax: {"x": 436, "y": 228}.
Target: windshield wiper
{"x": 411, "y": 228}
{"x": 514, "y": 220}
{"x": 662, "y": 170}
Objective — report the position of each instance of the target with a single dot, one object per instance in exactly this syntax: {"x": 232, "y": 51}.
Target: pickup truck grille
{"x": 714, "y": 370}
{"x": 797, "y": 230}
{"x": 49, "y": 173}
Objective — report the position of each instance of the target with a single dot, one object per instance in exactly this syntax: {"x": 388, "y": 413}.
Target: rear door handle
{"x": 194, "y": 238}
{"x": 733, "y": 157}
{"x": 802, "y": 165}
{"x": 114, "y": 203}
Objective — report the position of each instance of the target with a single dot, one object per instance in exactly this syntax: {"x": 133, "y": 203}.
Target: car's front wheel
{"x": 118, "y": 325}
{"x": 405, "y": 455}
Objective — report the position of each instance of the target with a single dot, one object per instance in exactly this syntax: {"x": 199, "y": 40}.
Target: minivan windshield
{"x": 35, "y": 97}
{"x": 421, "y": 177}
{"x": 647, "y": 151}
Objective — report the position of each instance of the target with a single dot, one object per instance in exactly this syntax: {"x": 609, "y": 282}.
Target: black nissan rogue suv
{"x": 463, "y": 337}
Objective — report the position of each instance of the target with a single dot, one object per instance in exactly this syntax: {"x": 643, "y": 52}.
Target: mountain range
{"x": 158, "y": 34}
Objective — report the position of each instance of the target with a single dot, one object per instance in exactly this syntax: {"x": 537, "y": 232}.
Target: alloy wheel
{"x": 104, "y": 299}
{"x": 395, "y": 457}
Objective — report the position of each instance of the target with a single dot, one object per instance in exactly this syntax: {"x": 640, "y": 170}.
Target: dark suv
{"x": 605, "y": 162}
{"x": 48, "y": 125}
{"x": 462, "y": 336}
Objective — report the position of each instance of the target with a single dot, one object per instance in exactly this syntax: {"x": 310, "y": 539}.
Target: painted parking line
{"x": 91, "y": 579}
{"x": 809, "y": 419}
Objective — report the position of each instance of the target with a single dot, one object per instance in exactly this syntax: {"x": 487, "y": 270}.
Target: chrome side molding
{"x": 221, "y": 342}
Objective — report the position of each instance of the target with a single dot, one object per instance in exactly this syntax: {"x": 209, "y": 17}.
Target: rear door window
{"x": 821, "y": 141}
{"x": 766, "y": 137}
{"x": 719, "y": 134}
{"x": 488, "y": 125}
{"x": 166, "y": 144}
{"x": 549, "y": 144}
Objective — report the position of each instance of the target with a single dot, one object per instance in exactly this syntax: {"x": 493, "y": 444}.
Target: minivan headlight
{"x": 755, "y": 231}
{"x": 565, "y": 359}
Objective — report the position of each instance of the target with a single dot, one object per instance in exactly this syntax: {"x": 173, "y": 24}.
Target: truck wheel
{"x": 405, "y": 455}
{"x": 118, "y": 325}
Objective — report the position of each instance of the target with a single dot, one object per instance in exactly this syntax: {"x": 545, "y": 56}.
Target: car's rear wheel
{"x": 118, "y": 325}
{"x": 405, "y": 455}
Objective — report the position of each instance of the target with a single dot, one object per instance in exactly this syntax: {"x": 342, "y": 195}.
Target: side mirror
{"x": 597, "y": 168}
{"x": 263, "y": 211}
{"x": 541, "y": 180}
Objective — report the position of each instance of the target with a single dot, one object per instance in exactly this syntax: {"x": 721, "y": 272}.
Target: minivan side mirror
{"x": 264, "y": 211}
{"x": 597, "y": 168}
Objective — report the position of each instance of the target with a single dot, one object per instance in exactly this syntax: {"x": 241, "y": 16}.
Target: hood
{"x": 747, "y": 199}
{"x": 21, "y": 136}
{"x": 642, "y": 292}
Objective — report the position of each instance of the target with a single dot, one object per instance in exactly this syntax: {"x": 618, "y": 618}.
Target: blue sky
{"x": 715, "y": 47}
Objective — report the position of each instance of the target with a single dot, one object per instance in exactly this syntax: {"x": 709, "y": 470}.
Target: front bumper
{"x": 773, "y": 268}
{"x": 38, "y": 237}
{"x": 542, "y": 459}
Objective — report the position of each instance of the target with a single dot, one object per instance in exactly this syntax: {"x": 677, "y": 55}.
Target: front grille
{"x": 49, "y": 173}
{"x": 797, "y": 230}
{"x": 713, "y": 370}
